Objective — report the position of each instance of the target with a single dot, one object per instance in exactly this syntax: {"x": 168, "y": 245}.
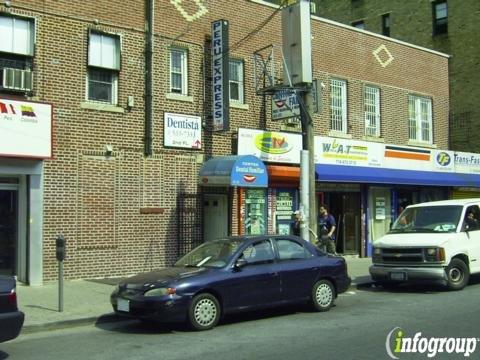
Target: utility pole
{"x": 297, "y": 50}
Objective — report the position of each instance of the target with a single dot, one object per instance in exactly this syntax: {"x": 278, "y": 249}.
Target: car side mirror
{"x": 240, "y": 263}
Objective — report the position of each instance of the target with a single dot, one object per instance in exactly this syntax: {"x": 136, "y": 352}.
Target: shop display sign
{"x": 285, "y": 105}
{"x": 284, "y": 207}
{"x": 468, "y": 163}
{"x": 255, "y": 222}
{"x": 270, "y": 146}
{"x": 347, "y": 152}
{"x": 380, "y": 213}
{"x": 25, "y": 129}
{"x": 182, "y": 131}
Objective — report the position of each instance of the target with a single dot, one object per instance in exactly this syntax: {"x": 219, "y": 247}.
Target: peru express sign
{"x": 220, "y": 76}
{"x": 182, "y": 131}
{"x": 25, "y": 129}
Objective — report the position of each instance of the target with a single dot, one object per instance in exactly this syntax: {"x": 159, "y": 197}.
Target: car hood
{"x": 413, "y": 239}
{"x": 166, "y": 275}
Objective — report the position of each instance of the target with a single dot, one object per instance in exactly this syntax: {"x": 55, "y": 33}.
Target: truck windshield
{"x": 428, "y": 219}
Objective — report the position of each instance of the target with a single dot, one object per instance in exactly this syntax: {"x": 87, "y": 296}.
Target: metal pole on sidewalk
{"x": 60, "y": 286}
{"x": 60, "y": 250}
{"x": 304, "y": 195}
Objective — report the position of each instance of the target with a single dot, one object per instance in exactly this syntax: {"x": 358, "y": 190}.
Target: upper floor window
{"x": 440, "y": 17}
{"x": 17, "y": 35}
{"x": 16, "y": 53}
{"x": 371, "y": 99}
{"x": 103, "y": 67}
{"x": 178, "y": 71}
{"x": 338, "y": 105}
{"x": 236, "y": 81}
{"x": 359, "y": 24}
{"x": 386, "y": 24}
{"x": 420, "y": 119}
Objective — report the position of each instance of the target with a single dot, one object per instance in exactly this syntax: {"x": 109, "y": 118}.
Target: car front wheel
{"x": 204, "y": 312}
{"x": 457, "y": 275}
{"x": 323, "y": 295}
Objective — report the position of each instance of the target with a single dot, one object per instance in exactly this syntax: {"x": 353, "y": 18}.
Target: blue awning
{"x": 242, "y": 171}
{"x": 372, "y": 175}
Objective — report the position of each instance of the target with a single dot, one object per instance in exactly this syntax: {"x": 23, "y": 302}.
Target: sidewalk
{"x": 88, "y": 301}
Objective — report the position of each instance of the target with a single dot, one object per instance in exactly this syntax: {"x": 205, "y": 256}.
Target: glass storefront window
{"x": 380, "y": 210}
{"x": 255, "y": 211}
{"x": 285, "y": 207}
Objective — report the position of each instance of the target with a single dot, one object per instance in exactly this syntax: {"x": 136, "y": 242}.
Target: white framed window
{"x": 338, "y": 105}
{"x": 371, "y": 106}
{"x": 103, "y": 68}
{"x": 236, "y": 81}
{"x": 178, "y": 71}
{"x": 17, "y": 34}
{"x": 420, "y": 119}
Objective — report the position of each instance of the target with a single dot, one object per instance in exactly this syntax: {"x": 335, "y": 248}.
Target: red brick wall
{"x": 96, "y": 201}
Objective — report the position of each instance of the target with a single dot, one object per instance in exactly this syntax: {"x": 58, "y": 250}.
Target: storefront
{"x": 25, "y": 140}
{"x": 364, "y": 184}
{"x": 247, "y": 176}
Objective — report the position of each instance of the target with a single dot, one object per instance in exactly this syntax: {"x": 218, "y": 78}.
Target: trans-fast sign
{"x": 220, "y": 83}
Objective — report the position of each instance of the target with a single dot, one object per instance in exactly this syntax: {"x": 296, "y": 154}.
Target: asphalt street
{"x": 356, "y": 328}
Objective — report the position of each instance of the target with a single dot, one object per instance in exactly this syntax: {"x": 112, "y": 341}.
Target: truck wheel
{"x": 457, "y": 275}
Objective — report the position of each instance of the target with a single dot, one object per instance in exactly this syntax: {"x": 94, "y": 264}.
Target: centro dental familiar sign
{"x": 25, "y": 129}
{"x": 220, "y": 78}
{"x": 182, "y": 131}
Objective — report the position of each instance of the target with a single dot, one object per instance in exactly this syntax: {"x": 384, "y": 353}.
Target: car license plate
{"x": 399, "y": 276}
{"x": 123, "y": 305}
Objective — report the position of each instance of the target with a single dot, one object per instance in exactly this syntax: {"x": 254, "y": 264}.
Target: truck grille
{"x": 402, "y": 255}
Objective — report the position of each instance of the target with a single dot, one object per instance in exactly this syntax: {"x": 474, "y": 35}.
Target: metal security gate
{"x": 190, "y": 220}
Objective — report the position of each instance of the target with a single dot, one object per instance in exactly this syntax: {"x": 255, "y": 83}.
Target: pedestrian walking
{"x": 327, "y": 226}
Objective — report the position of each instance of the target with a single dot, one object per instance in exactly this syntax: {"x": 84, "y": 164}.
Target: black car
{"x": 234, "y": 274}
{"x": 11, "y": 319}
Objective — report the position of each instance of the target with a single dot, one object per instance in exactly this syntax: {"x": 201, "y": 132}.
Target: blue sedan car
{"x": 234, "y": 274}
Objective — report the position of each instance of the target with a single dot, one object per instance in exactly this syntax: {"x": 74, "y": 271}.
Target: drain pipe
{"x": 148, "y": 78}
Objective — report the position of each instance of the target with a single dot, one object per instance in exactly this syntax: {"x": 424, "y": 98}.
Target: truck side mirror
{"x": 60, "y": 247}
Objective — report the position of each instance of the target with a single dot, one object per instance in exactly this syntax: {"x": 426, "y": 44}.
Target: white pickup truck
{"x": 430, "y": 242}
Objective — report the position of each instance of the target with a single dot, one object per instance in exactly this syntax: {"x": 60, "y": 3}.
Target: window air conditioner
{"x": 16, "y": 79}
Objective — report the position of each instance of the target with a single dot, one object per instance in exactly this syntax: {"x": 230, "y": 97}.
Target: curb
{"x": 54, "y": 325}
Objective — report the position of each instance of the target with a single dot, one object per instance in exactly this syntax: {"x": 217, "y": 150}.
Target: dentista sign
{"x": 182, "y": 131}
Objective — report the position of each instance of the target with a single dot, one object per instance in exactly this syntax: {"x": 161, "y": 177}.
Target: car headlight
{"x": 160, "y": 292}
{"x": 434, "y": 254}
{"x": 377, "y": 251}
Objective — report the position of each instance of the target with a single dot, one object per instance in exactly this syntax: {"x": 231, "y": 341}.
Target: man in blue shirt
{"x": 327, "y": 226}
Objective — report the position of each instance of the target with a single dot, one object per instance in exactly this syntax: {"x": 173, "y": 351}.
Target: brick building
{"x": 119, "y": 172}
{"x": 446, "y": 26}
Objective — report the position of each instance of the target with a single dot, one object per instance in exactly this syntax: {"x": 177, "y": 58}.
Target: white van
{"x": 430, "y": 242}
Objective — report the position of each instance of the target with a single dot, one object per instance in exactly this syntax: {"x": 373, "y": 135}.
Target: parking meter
{"x": 60, "y": 247}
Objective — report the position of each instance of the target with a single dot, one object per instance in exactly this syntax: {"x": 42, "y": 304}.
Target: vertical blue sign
{"x": 220, "y": 76}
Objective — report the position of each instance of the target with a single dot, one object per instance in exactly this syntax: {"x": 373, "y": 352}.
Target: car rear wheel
{"x": 457, "y": 275}
{"x": 323, "y": 295}
{"x": 204, "y": 312}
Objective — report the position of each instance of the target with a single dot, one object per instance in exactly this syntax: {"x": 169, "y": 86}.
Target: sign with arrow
{"x": 182, "y": 131}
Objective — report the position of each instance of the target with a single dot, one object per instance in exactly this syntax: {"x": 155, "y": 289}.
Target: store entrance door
{"x": 8, "y": 229}
{"x": 345, "y": 207}
{"x": 215, "y": 215}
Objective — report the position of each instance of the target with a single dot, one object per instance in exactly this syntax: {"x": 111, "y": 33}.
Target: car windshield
{"x": 216, "y": 253}
{"x": 428, "y": 219}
